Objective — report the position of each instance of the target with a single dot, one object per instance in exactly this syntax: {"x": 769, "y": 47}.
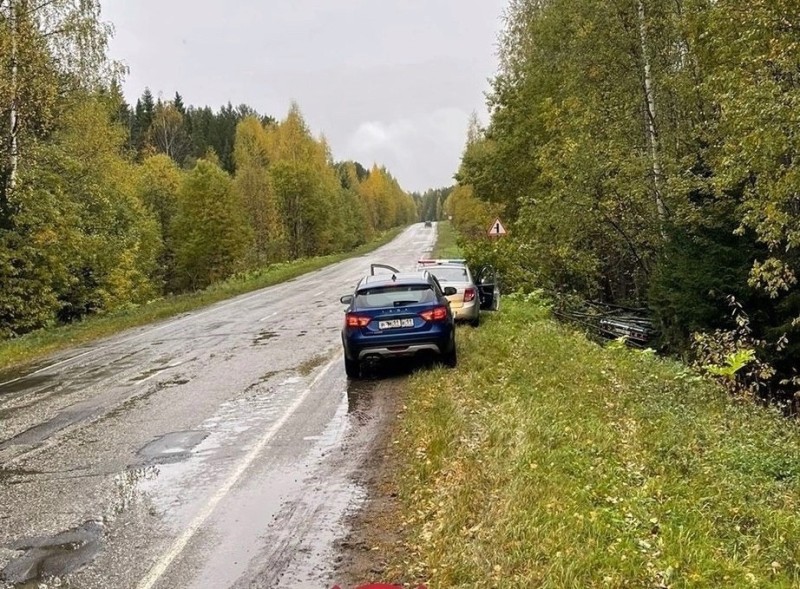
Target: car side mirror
{"x": 346, "y": 299}
{"x": 450, "y": 291}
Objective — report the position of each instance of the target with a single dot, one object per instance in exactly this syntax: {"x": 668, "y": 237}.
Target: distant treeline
{"x": 105, "y": 205}
{"x": 648, "y": 153}
{"x": 431, "y": 203}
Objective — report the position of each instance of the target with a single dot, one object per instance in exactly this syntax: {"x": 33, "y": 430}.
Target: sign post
{"x": 497, "y": 229}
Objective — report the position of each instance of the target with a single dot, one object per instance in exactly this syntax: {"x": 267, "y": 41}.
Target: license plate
{"x": 395, "y": 323}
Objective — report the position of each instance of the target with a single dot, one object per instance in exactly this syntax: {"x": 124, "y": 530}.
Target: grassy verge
{"x": 446, "y": 246}
{"x": 547, "y": 461}
{"x": 24, "y": 350}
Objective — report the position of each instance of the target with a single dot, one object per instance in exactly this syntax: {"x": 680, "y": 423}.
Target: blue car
{"x": 397, "y": 315}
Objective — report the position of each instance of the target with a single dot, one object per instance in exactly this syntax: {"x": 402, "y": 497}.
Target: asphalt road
{"x": 217, "y": 449}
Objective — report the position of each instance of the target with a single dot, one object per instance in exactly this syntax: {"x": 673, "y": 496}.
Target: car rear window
{"x": 394, "y": 296}
{"x": 450, "y": 274}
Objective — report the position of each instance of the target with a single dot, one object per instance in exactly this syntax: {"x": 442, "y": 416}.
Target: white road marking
{"x": 162, "y": 371}
{"x": 268, "y": 317}
{"x": 180, "y": 543}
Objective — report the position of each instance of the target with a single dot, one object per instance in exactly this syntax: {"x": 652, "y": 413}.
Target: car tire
{"x": 352, "y": 368}
{"x": 476, "y": 322}
{"x": 450, "y": 358}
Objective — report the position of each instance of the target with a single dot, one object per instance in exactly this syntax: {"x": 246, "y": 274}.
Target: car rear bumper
{"x": 399, "y": 351}
{"x": 358, "y": 348}
{"x": 467, "y": 312}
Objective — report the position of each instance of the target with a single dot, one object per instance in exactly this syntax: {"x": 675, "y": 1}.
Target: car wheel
{"x": 476, "y": 322}
{"x": 352, "y": 368}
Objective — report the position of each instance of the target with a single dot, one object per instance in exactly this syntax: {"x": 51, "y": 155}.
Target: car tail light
{"x": 435, "y": 314}
{"x": 355, "y": 320}
{"x": 469, "y": 295}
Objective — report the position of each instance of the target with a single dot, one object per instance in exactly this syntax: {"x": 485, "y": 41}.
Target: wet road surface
{"x": 217, "y": 449}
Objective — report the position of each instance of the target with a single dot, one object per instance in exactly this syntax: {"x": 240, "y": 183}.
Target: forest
{"x": 644, "y": 153}
{"x": 105, "y": 205}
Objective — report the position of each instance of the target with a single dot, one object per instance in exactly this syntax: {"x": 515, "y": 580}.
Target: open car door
{"x": 373, "y": 267}
{"x": 488, "y": 288}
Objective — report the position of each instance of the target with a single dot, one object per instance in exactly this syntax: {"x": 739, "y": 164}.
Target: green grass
{"x": 446, "y": 246}
{"x": 546, "y": 461}
{"x": 34, "y": 346}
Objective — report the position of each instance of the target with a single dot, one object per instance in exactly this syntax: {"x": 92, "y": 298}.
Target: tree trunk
{"x": 11, "y": 142}
{"x": 13, "y": 146}
{"x": 652, "y": 128}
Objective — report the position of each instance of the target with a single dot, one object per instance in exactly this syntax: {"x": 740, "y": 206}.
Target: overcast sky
{"x": 387, "y": 81}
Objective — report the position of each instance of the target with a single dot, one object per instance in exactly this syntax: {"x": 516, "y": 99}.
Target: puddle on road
{"x": 128, "y": 485}
{"x": 307, "y": 367}
{"x": 48, "y": 557}
{"x": 174, "y": 447}
{"x": 317, "y": 492}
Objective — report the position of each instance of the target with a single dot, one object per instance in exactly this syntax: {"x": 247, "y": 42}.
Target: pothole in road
{"x": 263, "y": 337}
{"x": 148, "y": 374}
{"x": 173, "y": 382}
{"x": 173, "y": 447}
{"x": 28, "y": 382}
{"x": 13, "y": 476}
{"x": 48, "y": 557}
{"x": 41, "y": 432}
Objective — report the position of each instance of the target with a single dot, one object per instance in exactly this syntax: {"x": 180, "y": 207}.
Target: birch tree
{"x": 46, "y": 48}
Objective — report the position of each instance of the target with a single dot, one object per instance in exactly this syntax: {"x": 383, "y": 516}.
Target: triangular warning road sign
{"x": 497, "y": 229}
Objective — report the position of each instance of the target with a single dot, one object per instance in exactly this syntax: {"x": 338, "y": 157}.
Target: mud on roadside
{"x": 376, "y": 530}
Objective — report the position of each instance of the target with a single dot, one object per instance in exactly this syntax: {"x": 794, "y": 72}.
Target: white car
{"x": 466, "y": 303}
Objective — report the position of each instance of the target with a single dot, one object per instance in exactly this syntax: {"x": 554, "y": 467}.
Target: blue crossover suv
{"x": 392, "y": 314}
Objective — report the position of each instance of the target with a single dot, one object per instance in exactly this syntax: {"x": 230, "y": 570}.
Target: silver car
{"x": 466, "y": 303}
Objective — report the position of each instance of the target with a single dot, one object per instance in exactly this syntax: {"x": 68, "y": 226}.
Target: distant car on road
{"x": 394, "y": 314}
{"x": 428, "y": 224}
{"x": 455, "y": 272}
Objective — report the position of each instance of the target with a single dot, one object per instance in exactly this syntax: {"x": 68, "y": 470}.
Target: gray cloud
{"x": 387, "y": 81}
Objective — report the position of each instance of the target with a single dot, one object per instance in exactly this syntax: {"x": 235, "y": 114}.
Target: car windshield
{"x": 451, "y": 274}
{"x": 394, "y": 296}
